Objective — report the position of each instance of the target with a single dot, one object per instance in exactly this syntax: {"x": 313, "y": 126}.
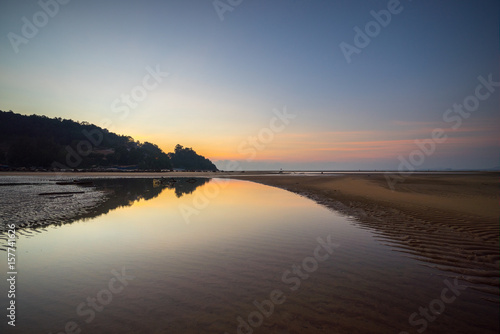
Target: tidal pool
{"x": 228, "y": 256}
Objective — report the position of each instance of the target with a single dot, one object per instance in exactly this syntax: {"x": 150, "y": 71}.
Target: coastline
{"x": 448, "y": 220}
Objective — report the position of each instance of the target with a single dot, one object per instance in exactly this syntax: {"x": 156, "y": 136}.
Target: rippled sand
{"x": 447, "y": 220}
{"x": 204, "y": 276}
{"x": 21, "y": 204}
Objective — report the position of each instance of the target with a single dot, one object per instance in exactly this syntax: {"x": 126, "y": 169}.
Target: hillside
{"x": 56, "y": 143}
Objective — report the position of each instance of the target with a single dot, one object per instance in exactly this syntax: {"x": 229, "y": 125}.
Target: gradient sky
{"x": 227, "y": 76}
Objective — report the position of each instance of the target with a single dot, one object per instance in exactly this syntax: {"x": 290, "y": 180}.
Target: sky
{"x": 302, "y": 84}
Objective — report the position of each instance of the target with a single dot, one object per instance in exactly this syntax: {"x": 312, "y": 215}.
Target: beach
{"x": 449, "y": 220}
{"x": 370, "y": 256}
{"x": 367, "y": 266}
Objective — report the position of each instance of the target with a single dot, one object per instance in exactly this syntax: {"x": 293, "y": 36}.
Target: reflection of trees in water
{"x": 184, "y": 186}
{"x": 124, "y": 192}
{"x": 119, "y": 193}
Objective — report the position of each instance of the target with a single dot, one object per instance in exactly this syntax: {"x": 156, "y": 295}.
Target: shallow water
{"x": 211, "y": 261}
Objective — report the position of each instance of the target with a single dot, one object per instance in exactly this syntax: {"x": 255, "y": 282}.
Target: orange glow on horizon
{"x": 340, "y": 146}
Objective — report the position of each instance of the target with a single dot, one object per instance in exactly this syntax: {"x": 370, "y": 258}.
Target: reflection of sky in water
{"x": 238, "y": 209}
{"x": 198, "y": 277}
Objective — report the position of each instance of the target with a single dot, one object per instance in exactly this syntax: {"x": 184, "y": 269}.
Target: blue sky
{"x": 225, "y": 77}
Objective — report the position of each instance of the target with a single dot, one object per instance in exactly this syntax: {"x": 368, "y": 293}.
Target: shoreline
{"x": 449, "y": 220}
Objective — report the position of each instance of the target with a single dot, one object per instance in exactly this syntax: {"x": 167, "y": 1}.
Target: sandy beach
{"x": 448, "y": 220}
{"x": 397, "y": 250}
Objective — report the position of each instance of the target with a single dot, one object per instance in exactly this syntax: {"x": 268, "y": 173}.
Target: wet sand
{"x": 450, "y": 221}
{"x": 36, "y": 201}
{"x": 203, "y": 276}
{"x": 447, "y": 220}
{"x": 33, "y": 202}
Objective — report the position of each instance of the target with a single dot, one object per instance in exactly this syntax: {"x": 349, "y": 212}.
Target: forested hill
{"x": 42, "y": 142}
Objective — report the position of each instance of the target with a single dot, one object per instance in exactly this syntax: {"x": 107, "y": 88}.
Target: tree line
{"x": 40, "y": 141}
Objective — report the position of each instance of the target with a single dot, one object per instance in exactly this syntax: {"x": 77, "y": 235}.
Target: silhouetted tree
{"x": 40, "y": 141}
{"x": 187, "y": 158}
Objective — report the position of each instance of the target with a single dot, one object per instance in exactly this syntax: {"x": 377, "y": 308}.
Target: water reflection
{"x": 124, "y": 192}
{"x": 205, "y": 276}
{"x": 22, "y": 205}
